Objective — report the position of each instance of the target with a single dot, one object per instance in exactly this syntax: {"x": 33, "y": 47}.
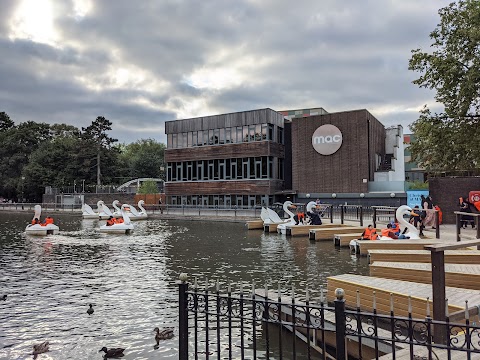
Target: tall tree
{"x": 453, "y": 70}
{"x": 96, "y": 133}
{"x": 145, "y": 158}
{"x": 5, "y": 122}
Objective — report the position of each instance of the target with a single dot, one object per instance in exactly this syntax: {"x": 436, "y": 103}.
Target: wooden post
{"x": 438, "y": 290}
{"x": 477, "y": 223}
{"x": 457, "y": 223}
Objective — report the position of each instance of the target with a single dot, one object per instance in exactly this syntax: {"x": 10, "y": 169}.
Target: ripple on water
{"x": 131, "y": 280}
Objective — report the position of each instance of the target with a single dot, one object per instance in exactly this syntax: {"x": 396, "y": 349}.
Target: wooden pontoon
{"x": 328, "y": 234}
{"x": 424, "y": 256}
{"x": 254, "y": 224}
{"x": 465, "y": 276}
{"x": 364, "y": 245}
{"x": 401, "y": 290}
{"x": 299, "y": 230}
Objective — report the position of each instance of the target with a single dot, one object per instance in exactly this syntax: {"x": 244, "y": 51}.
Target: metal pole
{"x": 361, "y": 215}
{"x": 438, "y": 289}
{"x": 375, "y": 217}
{"x": 342, "y": 215}
{"x": 331, "y": 214}
{"x": 457, "y": 222}
{"x": 437, "y": 224}
{"x": 340, "y": 323}
{"x": 183, "y": 317}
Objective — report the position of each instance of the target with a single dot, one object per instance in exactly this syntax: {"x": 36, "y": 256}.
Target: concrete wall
{"x": 445, "y": 192}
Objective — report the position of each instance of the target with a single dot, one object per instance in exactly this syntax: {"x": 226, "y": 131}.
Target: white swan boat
{"x": 134, "y": 214}
{"x": 269, "y": 216}
{"x": 38, "y": 229}
{"x": 123, "y": 228}
{"x": 282, "y": 228}
{"x": 88, "y": 213}
{"x": 105, "y": 212}
{"x": 117, "y": 211}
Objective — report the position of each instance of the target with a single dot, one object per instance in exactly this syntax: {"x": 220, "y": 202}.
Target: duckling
{"x": 90, "y": 309}
{"x": 40, "y": 348}
{"x": 4, "y": 297}
{"x": 112, "y": 353}
{"x": 165, "y": 334}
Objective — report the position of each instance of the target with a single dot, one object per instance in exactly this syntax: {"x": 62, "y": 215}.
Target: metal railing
{"x": 260, "y": 324}
{"x": 459, "y": 221}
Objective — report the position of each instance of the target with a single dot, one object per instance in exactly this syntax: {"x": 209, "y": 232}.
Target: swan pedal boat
{"x": 88, "y": 213}
{"x": 39, "y": 230}
{"x": 134, "y": 214}
{"x": 105, "y": 212}
{"x": 124, "y": 228}
{"x": 282, "y": 228}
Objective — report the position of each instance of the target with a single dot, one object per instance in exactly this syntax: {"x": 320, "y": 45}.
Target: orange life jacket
{"x": 119, "y": 220}
{"x": 477, "y": 205}
{"x": 301, "y": 216}
{"x": 370, "y": 234}
{"x": 440, "y": 213}
{"x": 48, "y": 220}
{"x": 34, "y": 221}
{"x": 385, "y": 232}
{"x": 110, "y": 222}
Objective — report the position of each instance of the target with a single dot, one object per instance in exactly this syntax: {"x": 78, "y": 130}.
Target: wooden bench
{"x": 328, "y": 234}
{"x": 424, "y": 256}
{"x": 400, "y": 291}
{"x": 465, "y": 276}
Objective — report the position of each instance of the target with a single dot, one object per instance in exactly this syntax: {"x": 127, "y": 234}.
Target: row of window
{"x": 226, "y": 169}
{"x": 221, "y": 201}
{"x": 230, "y": 135}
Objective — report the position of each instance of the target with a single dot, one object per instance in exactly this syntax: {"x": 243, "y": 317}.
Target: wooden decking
{"x": 254, "y": 224}
{"x": 328, "y": 234}
{"x": 299, "y": 230}
{"x": 365, "y": 245}
{"x": 424, "y": 256}
{"x": 400, "y": 289}
{"x": 466, "y": 276}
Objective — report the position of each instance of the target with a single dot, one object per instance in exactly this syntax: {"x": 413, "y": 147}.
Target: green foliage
{"x": 448, "y": 141}
{"x": 417, "y": 185}
{"x": 5, "y": 122}
{"x": 144, "y": 158}
{"x": 148, "y": 187}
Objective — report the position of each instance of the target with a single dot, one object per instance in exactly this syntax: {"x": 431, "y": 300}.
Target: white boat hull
{"x": 90, "y": 216}
{"x": 117, "y": 229}
{"x": 39, "y": 230}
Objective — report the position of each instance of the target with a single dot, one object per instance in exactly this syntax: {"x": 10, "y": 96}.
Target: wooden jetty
{"x": 363, "y": 246}
{"x": 319, "y": 234}
{"x": 299, "y": 230}
{"x": 401, "y": 290}
{"x": 270, "y": 228}
{"x": 254, "y": 224}
{"x": 316, "y": 339}
{"x": 466, "y": 276}
{"x": 424, "y": 256}
{"x": 343, "y": 240}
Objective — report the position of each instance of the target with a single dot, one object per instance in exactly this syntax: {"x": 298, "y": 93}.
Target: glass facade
{"x": 248, "y": 168}
{"x": 223, "y": 136}
{"x": 220, "y": 201}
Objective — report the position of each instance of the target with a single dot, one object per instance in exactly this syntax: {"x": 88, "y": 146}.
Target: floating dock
{"x": 319, "y": 234}
{"x": 299, "y": 230}
{"x": 254, "y": 225}
{"x": 401, "y": 290}
{"x": 363, "y": 246}
{"x": 424, "y": 256}
{"x": 343, "y": 240}
{"x": 465, "y": 276}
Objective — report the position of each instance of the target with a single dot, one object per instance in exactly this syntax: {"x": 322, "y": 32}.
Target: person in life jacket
{"x": 370, "y": 233}
{"x": 476, "y": 204}
{"x": 119, "y": 220}
{"x": 48, "y": 220}
{"x": 110, "y": 221}
{"x": 35, "y": 221}
{"x": 389, "y": 232}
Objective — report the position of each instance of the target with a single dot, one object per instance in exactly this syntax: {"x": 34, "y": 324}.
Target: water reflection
{"x": 130, "y": 280}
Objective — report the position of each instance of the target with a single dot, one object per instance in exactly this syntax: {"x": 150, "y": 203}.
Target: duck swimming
{"x": 112, "y": 353}
{"x": 165, "y": 334}
{"x": 90, "y": 310}
{"x": 40, "y": 348}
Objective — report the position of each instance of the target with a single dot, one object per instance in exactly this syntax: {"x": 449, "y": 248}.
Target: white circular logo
{"x": 327, "y": 139}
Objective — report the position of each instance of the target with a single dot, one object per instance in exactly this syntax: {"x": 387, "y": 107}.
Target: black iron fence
{"x": 262, "y": 324}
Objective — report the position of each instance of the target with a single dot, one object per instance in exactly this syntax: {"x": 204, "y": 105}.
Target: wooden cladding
{"x": 253, "y": 149}
{"x": 250, "y": 187}
{"x": 225, "y": 120}
{"x": 344, "y": 171}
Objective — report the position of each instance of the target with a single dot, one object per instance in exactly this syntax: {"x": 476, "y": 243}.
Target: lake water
{"x": 131, "y": 280}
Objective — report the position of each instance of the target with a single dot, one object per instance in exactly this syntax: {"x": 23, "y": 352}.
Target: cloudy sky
{"x": 140, "y": 63}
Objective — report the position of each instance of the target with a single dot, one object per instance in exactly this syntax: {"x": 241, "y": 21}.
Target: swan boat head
{"x": 412, "y": 232}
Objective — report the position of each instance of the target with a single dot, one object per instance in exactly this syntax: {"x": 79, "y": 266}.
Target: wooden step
{"x": 254, "y": 224}
{"x": 328, "y": 234}
{"x": 465, "y": 276}
{"x": 400, "y": 290}
{"x": 424, "y": 256}
{"x": 303, "y": 230}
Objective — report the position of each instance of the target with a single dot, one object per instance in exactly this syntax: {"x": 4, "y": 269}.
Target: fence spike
{"x": 206, "y": 284}
{"x": 467, "y": 313}
{"x": 307, "y": 294}
{"x": 391, "y": 302}
{"x": 358, "y": 299}
{"x": 321, "y": 295}
{"x": 253, "y": 287}
{"x": 266, "y": 290}
{"x": 229, "y": 288}
{"x": 374, "y": 301}
{"x": 428, "y": 307}
{"x": 195, "y": 284}
{"x": 241, "y": 288}
{"x": 446, "y": 308}
{"x": 279, "y": 293}
{"x": 409, "y": 305}
{"x": 218, "y": 286}
{"x": 293, "y": 292}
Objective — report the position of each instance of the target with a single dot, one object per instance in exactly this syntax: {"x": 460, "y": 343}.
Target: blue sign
{"x": 414, "y": 197}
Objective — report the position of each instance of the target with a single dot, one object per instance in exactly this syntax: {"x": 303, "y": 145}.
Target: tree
{"x": 148, "y": 187}
{"x": 5, "y": 122}
{"x": 145, "y": 158}
{"x": 96, "y": 134}
{"x": 446, "y": 141}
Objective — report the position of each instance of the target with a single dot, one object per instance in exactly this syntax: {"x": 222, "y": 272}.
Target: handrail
{"x": 458, "y": 221}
